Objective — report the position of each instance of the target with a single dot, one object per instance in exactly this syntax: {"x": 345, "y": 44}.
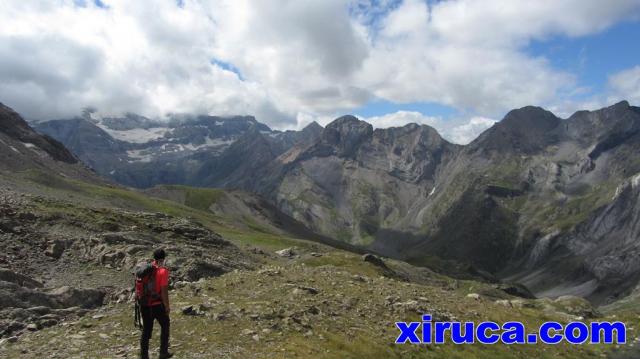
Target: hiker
{"x": 152, "y": 292}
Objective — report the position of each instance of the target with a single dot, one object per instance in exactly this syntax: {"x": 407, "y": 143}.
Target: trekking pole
{"x": 136, "y": 321}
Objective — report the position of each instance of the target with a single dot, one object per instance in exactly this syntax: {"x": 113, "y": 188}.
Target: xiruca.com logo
{"x": 428, "y": 332}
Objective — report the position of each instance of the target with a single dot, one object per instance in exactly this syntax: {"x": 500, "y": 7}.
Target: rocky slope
{"x": 524, "y": 200}
{"x": 359, "y": 185}
{"x": 519, "y": 198}
{"x": 22, "y": 149}
{"x": 62, "y": 259}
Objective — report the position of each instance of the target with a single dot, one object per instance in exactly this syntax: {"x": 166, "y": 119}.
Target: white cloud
{"x": 465, "y": 133}
{"x": 625, "y": 85}
{"x": 401, "y": 118}
{"x": 298, "y": 59}
{"x": 129, "y": 57}
{"x": 622, "y": 85}
{"x": 468, "y": 54}
{"x": 460, "y": 130}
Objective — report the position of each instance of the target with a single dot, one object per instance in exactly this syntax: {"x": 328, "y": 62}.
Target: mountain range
{"x": 535, "y": 204}
{"x": 548, "y": 202}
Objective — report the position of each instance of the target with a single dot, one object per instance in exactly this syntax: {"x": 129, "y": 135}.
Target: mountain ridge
{"x": 408, "y": 193}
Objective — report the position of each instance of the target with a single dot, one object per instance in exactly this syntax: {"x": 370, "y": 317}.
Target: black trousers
{"x": 149, "y": 315}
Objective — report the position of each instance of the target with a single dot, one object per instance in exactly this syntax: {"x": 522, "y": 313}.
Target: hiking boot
{"x": 166, "y": 355}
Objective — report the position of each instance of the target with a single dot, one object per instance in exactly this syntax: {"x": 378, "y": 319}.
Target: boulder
{"x": 195, "y": 270}
{"x": 14, "y": 295}
{"x": 114, "y": 259}
{"x": 287, "y": 252}
{"x": 474, "y": 296}
{"x": 189, "y": 230}
{"x": 375, "y": 260}
{"x": 55, "y": 250}
{"x": 75, "y": 297}
{"x": 19, "y": 279}
{"x": 517, "y": 290}
{"x": 305, "y": 290}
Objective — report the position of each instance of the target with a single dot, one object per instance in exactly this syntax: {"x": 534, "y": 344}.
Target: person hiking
{"x": 154, "y": 305}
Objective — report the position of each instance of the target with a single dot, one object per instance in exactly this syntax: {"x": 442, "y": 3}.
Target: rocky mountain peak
{"x": 608, "y": 125}
{"x": 624, "y": 104}
{"x": 425, "y": 131}
{"x": 348, "y": 123}
{"x": 313, "y": 127}
{"x": 347, "y": 133}
{"x": 526, "y": 130}
{"x": 413, "y": 132}
{"x": 529, "y": 118}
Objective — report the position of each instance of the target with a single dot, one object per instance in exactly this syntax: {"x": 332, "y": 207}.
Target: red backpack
{"x": 145, "y": 288}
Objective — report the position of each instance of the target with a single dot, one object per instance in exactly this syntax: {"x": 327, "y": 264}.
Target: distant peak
{"x": 622, "y": 104}
{"x": 528, "y": 111}
{"x": 526, "y": 130}
{"x": 347, "y": 133}
{"x": 530, "y": 118}
{"x": 312, "y": 129}
{"x": 349, "y": 123}
{"x": 346, "y": 119}
{"x": 312, "y": 125}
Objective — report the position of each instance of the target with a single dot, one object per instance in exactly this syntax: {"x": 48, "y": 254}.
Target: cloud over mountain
{"x": 287, "y": 61}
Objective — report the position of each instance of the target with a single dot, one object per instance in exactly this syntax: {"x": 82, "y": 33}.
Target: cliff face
{"x": 533, "y": 185}
{"x": 357, "y": 184}
{"x": 15, "y": 129}
{"x": 23, "y": 150}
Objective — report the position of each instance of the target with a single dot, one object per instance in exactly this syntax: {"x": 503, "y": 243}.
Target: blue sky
{"x": 457, "y": 65}
{"x": 593, "y": 58}
{"x": 590, "y": 58}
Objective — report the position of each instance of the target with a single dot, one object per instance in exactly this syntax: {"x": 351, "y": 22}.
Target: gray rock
{"x": 188, "y": 310}
{"x": 375, "y": 260}
{"x": 55, "y": 250}
{"x": 305, "y": 290}
{"x": 195, "y": 270}
{"x": 19, "y": 279}
{"x": 516, "y": 289}
{"x": 75, "y": 297}
{"x": 287, "y": 252}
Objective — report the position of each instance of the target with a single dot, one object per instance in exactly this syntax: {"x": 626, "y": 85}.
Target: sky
{"x": 457, "y": 65}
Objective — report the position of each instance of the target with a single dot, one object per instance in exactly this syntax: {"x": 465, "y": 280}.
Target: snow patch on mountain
{"x": 137, "y": 135}
{"x": 139, "y": 156}
{"x": 154, "y": 152}
{"x": 210, "y": 142}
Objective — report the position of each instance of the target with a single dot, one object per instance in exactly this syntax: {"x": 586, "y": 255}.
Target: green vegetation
{"x": 242, "y": 231}
{"x": 198, "y": 198}
{"x": 564, "y": 216}
{"x": 346, "y": 261}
